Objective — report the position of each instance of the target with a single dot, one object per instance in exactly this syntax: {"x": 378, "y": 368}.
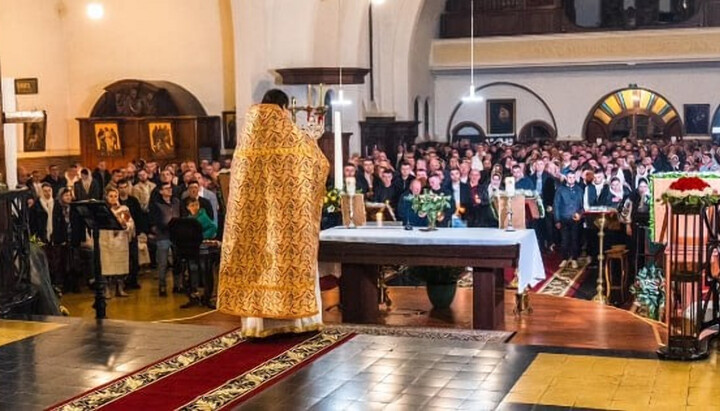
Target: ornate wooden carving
{"x": 138, "y": 98}
{"x": 133, "y": 105}
{"x": 322, "y": 75}
{"x": 15, "y": 288}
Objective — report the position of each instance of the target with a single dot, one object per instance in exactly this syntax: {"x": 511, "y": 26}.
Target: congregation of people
{"x": 176, "y": 207}
{"x": 567, "y": 177}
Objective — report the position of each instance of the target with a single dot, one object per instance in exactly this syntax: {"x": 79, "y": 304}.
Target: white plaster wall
{"x": 32, "y": 44}
{"x": 572, "y": 94}
{"x": 177, "y": 41}
{"x": 73, "y": 57}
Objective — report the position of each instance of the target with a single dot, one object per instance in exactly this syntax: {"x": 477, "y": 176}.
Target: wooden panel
{"x": 461, "y": 256}
{"x": 42, "y": 163}
{"x": 190, "y": 134}
{"x": 322, "y": 75}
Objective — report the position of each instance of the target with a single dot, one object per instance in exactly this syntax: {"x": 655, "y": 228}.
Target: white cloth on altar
{"x": 256, "y": 326}
{"x": 530, "y": 266}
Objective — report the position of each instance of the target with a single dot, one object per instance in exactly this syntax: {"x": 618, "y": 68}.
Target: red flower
{"x": 689, "y": 183}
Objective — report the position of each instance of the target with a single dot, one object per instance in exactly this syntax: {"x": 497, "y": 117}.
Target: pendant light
{"x": 472, "y": 97}
{"x": 340, "y": 101}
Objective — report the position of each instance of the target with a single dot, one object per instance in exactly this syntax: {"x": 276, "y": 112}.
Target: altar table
{"x": 488, "y": 250}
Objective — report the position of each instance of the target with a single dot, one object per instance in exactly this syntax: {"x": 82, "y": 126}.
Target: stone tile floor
{"x": 43, "y": 370}
{"x": 366, "y": 373}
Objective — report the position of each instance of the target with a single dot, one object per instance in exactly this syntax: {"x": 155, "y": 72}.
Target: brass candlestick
{"x": 509, "y": 226}
{"x": 600, "y": 296}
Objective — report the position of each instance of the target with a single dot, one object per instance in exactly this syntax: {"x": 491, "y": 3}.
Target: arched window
{"x": 468, "y": 130}
{"x": 536, "y": 130}
{"x": 633, "y": 112}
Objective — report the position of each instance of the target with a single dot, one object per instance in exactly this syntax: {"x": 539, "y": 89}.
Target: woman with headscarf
{"x": 115, "y": 247}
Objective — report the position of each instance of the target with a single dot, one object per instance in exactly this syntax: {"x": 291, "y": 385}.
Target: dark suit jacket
{"x": 142, "y": 225}
{"x": 390, "y": 194}
{"x": 406, "y": 213}
{"x": 95, "y": 191}
{"x": 102, "y": 177}
{"x": 60, "y": 227}
{"x": 465, "y": 202}
{"x": 38, "y": 221}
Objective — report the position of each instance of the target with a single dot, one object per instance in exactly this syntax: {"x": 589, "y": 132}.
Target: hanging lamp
{"x": 472, "y": 97}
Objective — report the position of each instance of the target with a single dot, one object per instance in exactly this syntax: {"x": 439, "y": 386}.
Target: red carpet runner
{"x": 219, "y": 373}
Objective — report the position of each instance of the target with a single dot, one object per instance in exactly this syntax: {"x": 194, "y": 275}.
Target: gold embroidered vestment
{"x": 268, "y": 266}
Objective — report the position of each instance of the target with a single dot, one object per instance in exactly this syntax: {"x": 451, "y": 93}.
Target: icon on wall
{"x": 501, "y": 117}
{"x": 34, "y": 135}
{"x": 107, "y": 139}
{"x": 229, "y": 130}
{"x": 162, "y": 140}
{"x": 697, "y": 118}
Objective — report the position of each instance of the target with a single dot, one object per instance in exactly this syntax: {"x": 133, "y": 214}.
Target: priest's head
{"x": 277, "y": 97}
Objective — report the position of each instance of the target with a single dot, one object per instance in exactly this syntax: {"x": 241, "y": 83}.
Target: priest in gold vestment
{"x": 269, "y": 268}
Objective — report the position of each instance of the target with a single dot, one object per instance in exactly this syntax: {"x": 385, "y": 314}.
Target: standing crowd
{"x": 150, "y": 203}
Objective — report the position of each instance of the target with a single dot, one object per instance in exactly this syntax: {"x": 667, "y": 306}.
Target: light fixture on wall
{"x": 472, "y": 97}
{"x": 95, "y": 11}
{"x": 341, "y": 101}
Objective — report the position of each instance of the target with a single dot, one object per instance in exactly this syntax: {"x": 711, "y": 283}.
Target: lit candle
{"x": 337, "y": 124}
{"x": 350, "y": 185}
{"x": 673, "y": 139}
{"x": 510, "y": 186}
{"x": 379, "y": 218}
{"x": 598, "y": 141}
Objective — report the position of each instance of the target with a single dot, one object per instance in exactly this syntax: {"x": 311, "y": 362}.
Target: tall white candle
{"x": 337, "y": 123}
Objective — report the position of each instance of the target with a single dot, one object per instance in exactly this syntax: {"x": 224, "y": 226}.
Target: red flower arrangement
{"x": 689, "y": 183}
{"x": 689, "y": 194}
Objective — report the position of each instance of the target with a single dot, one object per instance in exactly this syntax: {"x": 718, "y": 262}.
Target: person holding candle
{"x": 269, "y": 268}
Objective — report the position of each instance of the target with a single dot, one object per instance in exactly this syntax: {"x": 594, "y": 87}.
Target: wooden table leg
{"x": 359, "y": 293}
{"x": 488, "y": 299}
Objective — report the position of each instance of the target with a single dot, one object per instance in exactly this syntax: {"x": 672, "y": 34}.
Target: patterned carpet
{"x": 566, "y": 281}
{"x": 486, "y": 336}
{"x": 221, "y": 372}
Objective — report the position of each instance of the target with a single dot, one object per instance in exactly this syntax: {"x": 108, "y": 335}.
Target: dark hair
{"x": 85, "y": 172}
{"x": 642, "y": 180}
{"x": 63, "y": 191}
{"x": 276, "y": 96}
{"x": 122, "y": 182}
{"x": 193, "y": 182}
{"x": 189, "y": 200}
{"x": 43, "y": 185}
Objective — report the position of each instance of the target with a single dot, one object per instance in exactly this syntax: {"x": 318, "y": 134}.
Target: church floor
{"x": 368, "y": 372}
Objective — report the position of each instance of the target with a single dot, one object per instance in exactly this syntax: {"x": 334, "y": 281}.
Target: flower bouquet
{"x": 431, "y": 205}
{"x": 331, "y": 202}
{"x": 649, "y": 291}
{"x": 687, "y": 195}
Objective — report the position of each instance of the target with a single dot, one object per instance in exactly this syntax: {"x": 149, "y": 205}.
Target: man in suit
{"x": 193, "y": 191}
{"x": 404, "y": 178}
{"x": 101, "y": 174}
{"x": 366, "y": 178}
{"x": 386, "y": 191}
{"x": 544, "y": 185}
{"x": 460, "y": 194}
{"x": 54, "y": 179}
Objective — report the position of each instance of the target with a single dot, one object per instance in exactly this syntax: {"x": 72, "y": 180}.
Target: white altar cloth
{"x": 530, "y": 266}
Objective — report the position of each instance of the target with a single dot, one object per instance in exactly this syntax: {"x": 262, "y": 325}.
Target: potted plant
{"x": 441, "y": 283}
{"x": 331, "y": 215}
{"x": 431, "y": 205}
{"x": 649, "y": 292}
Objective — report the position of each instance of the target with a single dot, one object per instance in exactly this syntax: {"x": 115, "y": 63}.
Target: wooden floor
{"x": 555, "y": 321}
